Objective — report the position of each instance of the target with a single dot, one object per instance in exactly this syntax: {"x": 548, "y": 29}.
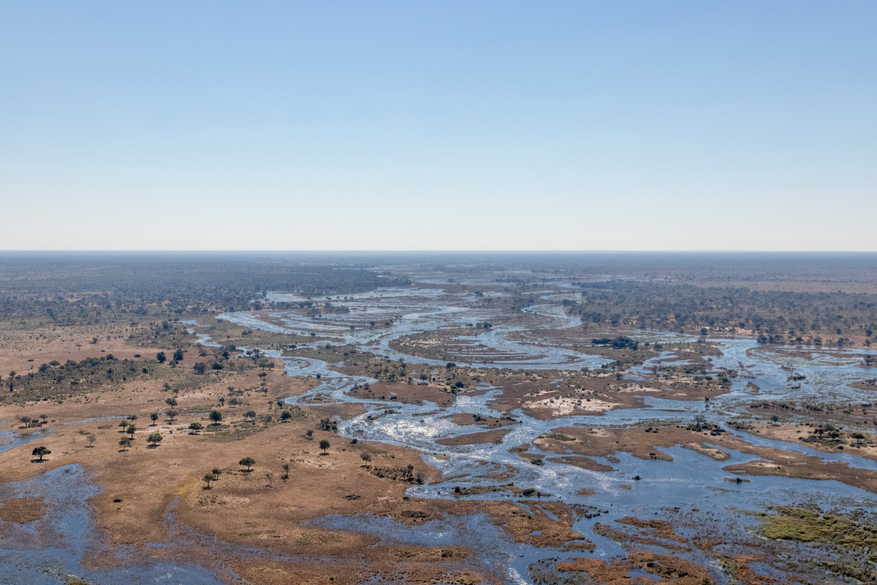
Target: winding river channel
{"x": 691, "y": 483}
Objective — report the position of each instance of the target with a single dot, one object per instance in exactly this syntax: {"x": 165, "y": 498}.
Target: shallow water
{"x": 69, "y": 528}
{"x": 691, "y": 481}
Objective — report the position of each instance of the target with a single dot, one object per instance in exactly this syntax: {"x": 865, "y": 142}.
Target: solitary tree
{"x": 208, "y": 477}
{"x": 215, "y": 416}
{"x": 91, "y": 439}
{"x": 247, "y": 462}
{"x": 161, "y": 357}
{"x": 125, "y": 443}
{"x": 154, "y": 417}
{"x": 324, "y": 445}
{"x": 40, "y": 452}
{"x": 154, "y": 439}
{"x": 195, "y": 427}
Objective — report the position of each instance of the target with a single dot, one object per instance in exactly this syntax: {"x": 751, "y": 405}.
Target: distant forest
{"x": 680, "y": 292}
{"x": 90, "y": 288}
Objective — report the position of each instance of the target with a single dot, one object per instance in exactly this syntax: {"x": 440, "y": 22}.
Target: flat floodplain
{"x": 461, "y": 419}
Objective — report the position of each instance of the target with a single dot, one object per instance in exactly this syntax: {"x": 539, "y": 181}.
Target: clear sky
{"x": 443, "y": 125}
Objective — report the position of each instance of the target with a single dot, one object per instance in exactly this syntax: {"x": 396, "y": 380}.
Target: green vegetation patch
{"x": 803, "y": 525}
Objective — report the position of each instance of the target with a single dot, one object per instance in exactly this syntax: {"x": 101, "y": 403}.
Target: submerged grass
{"x": 803, "y": 525}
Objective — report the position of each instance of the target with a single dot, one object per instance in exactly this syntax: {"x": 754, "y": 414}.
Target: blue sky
{"x": 438, "y": 125}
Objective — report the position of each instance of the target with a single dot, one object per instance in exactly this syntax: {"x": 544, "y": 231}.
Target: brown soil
{"x": 22, "y": 510}
{"x": 604, "y": 442}
{"x": 662, "y": 528}
{"x": 583, "y": 462}
{"x": 794, "y": 434}
{"x": 466, "y": 419}
{"x": 344, "y": 411}
{"x": 667, "y": 569}
{"x": 494, "y": 436}
{"x": 23, "y": 351}
{"x": 407, "y": 393}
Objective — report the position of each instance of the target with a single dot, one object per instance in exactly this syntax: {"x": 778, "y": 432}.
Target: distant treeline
{"x": 72, "y": 289}
{"x": 681, "y": 306}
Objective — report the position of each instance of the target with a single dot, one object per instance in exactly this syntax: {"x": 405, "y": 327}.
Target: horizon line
{"x": 402, "y": 251}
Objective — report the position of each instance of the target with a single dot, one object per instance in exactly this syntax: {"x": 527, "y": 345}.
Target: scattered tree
{"x": 40, "y": 452}
{"x": 195, "y": 427}
{"x": 178, "y": 355}
{"x": 247, "y": 462}
{"x": 131, "y": 430}
{"x": 161, "y": 357}
{"x": 324, "y": 445}
{"x": 154, "y": 439}
{"x": 171, "y": 415}
{"x": 125, "y": 443}
{"x": 208, "y": 477}
{"x": 91, "y": 439}
{"x": 154, "y": 417}
{"x": 251, "y": 414}
{"x": 216, "y": 416}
